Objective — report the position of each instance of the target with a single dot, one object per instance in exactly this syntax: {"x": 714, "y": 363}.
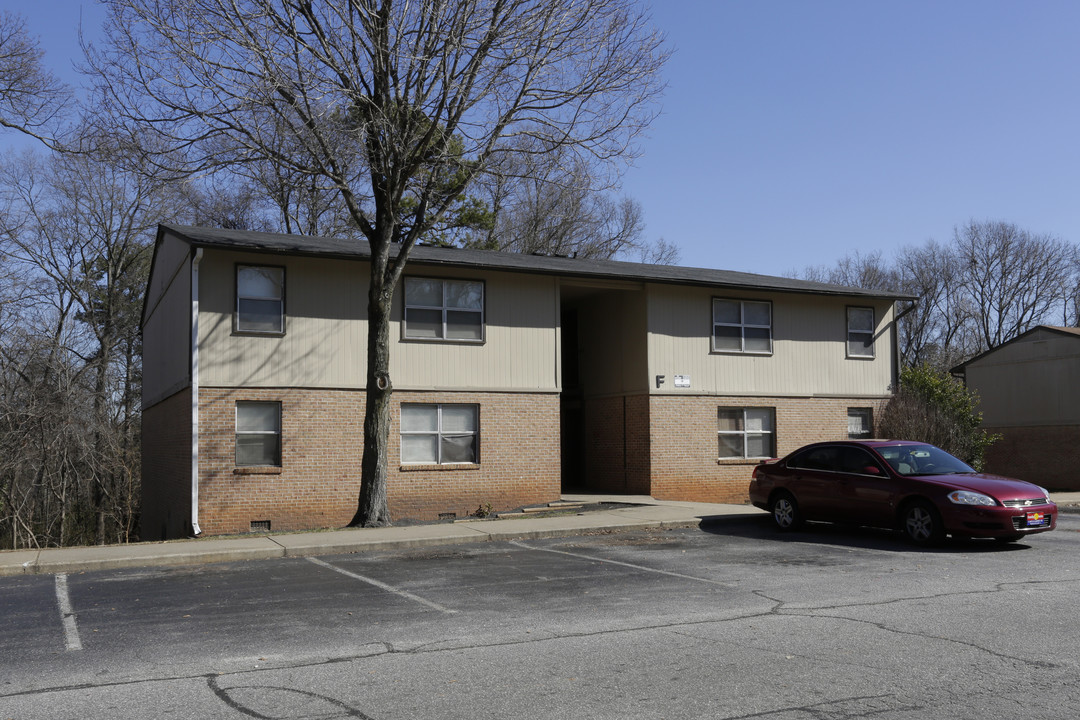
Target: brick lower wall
{"x": 166, "y": 469}
{"x": 519, "y": 459}
{"x": 1047, "y": 456}
{"x": 617, "y": 444}
{"x": 322, "y": 440}
{"x": 684, "y": 446}
{"x": 665, "y": 446}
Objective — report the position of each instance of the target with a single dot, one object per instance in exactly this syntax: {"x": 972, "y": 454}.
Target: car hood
{"x": 996, "y": 486}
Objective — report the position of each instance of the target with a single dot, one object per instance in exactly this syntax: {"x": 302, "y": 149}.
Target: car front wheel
{"x": 785, "y": 511}
{"x": 921, "y": 524}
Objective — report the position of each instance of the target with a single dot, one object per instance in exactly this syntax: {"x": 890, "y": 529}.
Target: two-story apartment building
{"x": 514, "y": 377}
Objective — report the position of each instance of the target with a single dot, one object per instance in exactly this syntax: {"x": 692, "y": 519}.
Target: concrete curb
{"x": 642, "y": 512}
{"x": 352, "y": 540}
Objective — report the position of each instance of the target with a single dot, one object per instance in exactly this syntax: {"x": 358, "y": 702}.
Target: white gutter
{"x": 195, "y": 391}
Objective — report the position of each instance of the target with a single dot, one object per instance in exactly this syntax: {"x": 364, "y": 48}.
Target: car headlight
{"x": 1044, "y": 491}
{"x": 966, "y": 497}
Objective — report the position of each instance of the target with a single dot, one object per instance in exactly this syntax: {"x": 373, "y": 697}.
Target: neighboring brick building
{"x": 515, "y": 377}
{"x": 1029, "y": 393}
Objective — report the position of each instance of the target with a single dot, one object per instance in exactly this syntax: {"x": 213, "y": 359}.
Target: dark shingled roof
{"x": 513, "y": 262}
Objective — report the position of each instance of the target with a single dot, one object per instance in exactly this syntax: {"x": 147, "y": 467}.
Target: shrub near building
{"x": 936, "y": 408}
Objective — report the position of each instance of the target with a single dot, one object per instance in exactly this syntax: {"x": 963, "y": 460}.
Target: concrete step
{"x": 535, "y": 509}
{"x": 551, "y": 506}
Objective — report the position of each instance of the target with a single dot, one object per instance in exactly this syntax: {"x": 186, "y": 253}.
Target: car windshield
{"x": 922, "y": 460}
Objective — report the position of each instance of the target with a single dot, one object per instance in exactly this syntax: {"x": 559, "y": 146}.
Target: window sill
{"x": 740, "y": 461}
{"x": 258, "y": 470}
{"x": 444, "y": 341}
{"x": 435, "y": 466}
{"x": 257, "y": 333}
{"x": 749, "y": 353}
{"x": 861, "y": 357}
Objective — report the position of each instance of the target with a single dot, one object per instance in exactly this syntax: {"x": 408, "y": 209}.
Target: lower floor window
{"x": 440, "y": 434}
{"x": 746, "y": 432}
{"x": 860, "y": 423}
{"x": 258, "y": 433}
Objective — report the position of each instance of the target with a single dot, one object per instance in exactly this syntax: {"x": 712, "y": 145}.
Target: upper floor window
{"x": 746, "y": 432}
{"x": 440, "y": 434}
{"x": 444, "y": 309}
{"x": 860, "y": 332}
{"x": 258, "y": 433}
{"x": 260, "y": 299}
{"x": 742, "y": 326}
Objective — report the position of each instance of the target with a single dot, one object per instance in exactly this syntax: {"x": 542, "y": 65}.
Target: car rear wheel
{"x": 921, "y": 524}
{"x": 785, "y": 511}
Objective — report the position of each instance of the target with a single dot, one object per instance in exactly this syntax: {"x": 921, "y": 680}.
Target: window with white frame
{"x": 444, "y": 309}
{"x": 860, "y": 332}
{"x": 260, "y": 299}
{"x": 258, "y": 433}
{"x": 440, "y": 434}
{"x": 746, "y": 432}
{"x": 741, "y": 326}
{"x": 860, "y": 423}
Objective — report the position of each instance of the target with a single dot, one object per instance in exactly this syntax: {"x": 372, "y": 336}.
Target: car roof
{"x": 868, "y": 443}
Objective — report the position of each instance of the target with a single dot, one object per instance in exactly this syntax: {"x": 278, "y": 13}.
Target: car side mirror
{"x": 872, "y": 470}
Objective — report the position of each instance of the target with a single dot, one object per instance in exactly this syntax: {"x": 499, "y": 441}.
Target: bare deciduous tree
{"x": 31, "y": 98}
{"x": 1015, "y": 279}
{"x": 396, "y": 106}
{"x": 937, "y": 331}
{"x": 554, "y": 203}
{"x": 870, "y": 271}
{"x": 991, "y": 283}
{"x": 79, "y": 229}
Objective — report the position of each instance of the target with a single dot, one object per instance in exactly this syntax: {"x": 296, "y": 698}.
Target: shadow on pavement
{"x": 760, "y": 527}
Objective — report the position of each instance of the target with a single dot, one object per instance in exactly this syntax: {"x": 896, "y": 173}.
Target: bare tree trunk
{"x": 372, "y": 509}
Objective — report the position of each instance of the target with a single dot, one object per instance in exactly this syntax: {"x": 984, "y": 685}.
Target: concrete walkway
{"x": 642, "y": 511}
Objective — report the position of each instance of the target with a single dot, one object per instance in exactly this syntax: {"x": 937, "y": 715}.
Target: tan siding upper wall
{"x": 324, "y": 341}
{"x": 520, "y": 351}
{"x": 1031, "y": 382}
{"x": 167, "y": 326}
{"x": 325, "y": 338}
{"x": 809, "y": 346}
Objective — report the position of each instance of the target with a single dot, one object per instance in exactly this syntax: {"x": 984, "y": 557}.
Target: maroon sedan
{"x": 919, "y": 489}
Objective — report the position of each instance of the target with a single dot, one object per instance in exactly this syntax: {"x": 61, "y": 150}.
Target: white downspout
{"x": 195, "y": 392}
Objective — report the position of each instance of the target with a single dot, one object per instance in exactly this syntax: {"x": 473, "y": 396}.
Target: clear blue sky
{"x": 794, "y": 132}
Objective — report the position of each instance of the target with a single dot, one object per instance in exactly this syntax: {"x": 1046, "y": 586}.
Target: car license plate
{"x": 1038, "y": 519}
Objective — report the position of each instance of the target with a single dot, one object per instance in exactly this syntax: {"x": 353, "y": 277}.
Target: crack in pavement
{"x": 777, "y": 608}
{"x": 822, "y": 612}
{"x": 858, "y": 706}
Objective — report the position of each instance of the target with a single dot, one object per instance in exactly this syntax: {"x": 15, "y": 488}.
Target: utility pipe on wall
{"x": 195, "y": 392}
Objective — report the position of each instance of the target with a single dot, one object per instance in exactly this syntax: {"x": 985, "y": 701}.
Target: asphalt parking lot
{"x": 726, "y": 620}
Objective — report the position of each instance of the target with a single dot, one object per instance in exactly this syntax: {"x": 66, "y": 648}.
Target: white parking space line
{"x": 619, "y": 562}
{"x": 384, "y": 586}
{"x": 67, "y": 616}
